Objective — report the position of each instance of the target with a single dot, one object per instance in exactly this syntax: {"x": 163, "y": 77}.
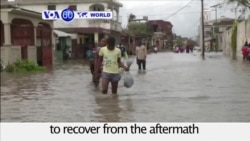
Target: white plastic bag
{"x": 128, "y": 78}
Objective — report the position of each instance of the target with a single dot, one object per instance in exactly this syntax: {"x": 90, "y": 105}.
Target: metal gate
{"x": 22, "y": 35}
{"x": 44, "y": 35}
{"x": 75, "y": 49}
{"x": 24, "y": 52}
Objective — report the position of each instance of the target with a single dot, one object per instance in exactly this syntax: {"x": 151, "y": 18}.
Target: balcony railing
{"x": 158, "y": 33}
{"x": 57, "y": 1}
{"x": 117, "y": 26}
{"x": 114, "y": 25}
{"x": 106, "y": 24}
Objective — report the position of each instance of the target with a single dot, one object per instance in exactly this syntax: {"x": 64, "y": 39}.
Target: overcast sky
{"x": 185, "y": 22}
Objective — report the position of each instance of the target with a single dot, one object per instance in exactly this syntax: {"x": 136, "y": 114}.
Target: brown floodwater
{"x": 175, "y": 88}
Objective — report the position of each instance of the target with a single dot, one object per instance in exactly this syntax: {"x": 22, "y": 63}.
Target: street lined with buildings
{"x": 175, "y": 87}
{"x": 218, "y": 31}
{"x": 183, "y": 88}
{"x": 24, "y": 35}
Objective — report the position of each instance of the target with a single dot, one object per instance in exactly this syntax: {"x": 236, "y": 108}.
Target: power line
{"x": 158, "y": 6}
{"x": 177, "y": 12}
{"x": 180, "y": 9}
{"x": 166, "y": 14}
{"x": 169, "y": 0}
{"x": 152, "y": 7}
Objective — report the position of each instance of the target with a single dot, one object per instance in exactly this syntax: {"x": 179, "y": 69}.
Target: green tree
{"x": 179, "y": 41}
{"x": 139, "y": 29}
{"x": 234, "y": 40}
{"x": 245, "y": 3}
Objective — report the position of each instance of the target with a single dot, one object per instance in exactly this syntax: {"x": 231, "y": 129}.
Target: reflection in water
{"x": 22, "y": 93}
{"x": 108, "y": 108}
{"x": 183, "y": 88}
{"x": 20, "y": 88}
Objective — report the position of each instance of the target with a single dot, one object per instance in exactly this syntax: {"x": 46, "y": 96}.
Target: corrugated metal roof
{"x": 64, "y": 34}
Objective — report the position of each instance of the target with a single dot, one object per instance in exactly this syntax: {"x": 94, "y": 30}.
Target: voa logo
{"x": 66, "y": 15}
{"x": 50, "y": 14}
{"x": 69, "y": 15}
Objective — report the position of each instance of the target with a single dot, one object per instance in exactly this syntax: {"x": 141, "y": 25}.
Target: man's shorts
{"x": 111, "y": 77}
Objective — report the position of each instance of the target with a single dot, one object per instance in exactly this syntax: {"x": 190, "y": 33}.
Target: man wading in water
{"x": 141, "y": 55}
{"x": 110, "y": 56}
{"x": 98, "y": 67}
{"x": 91, "y": 57}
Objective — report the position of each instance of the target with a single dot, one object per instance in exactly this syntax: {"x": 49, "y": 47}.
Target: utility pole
{"x": 236, "y": 12}
{"x": 216, "y": 26}
{"x": 216, "y": 30}
{"x": 202, "y": 28}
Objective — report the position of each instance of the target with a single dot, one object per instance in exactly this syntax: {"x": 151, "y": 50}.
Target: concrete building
{"x": 162, "y": 30}
{"x": 207, "y": 17}
{"x": 86, "y": 30}
{"x": 212, "y": 31}
{"x": 24, "y": 35}
{"x": 243, "y": 35}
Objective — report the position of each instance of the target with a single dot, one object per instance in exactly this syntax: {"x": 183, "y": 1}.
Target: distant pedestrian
{"x": 248, "y": 57}
{"x": 155, "y": 49}
{"x": 176, "y": 49}
{"x": 192, "y": 49}
{"x": 187, "y": 49}
{"x": 141, "y": 55}
{"x": 181, "y": 49}
{"x": 245, "y": 51}
{"x": 124, "y": 54}
{"x": 110, "y": 56}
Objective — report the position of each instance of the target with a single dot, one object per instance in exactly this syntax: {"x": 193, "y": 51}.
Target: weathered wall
{"x": 32, "y": 53}
{"x": 243, "y": 34}
{"x": 225, "y": 43}
{"x": 10, "y": 55}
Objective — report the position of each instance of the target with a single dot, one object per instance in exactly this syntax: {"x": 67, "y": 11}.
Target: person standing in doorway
{"x": 141, "y": 55}
{"x": 110, "y": 56}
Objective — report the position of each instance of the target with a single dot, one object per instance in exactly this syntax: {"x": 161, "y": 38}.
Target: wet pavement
{"x": 175, "y": 88}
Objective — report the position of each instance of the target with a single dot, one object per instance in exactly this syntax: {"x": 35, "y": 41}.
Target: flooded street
{"x": 175, "y": 88}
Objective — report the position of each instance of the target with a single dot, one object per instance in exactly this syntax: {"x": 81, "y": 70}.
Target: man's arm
{"x": 99, "y": 56}
{"x": 120, "y": 64}
{"x": 125, "y": 53}
{"x": 96, "y": 60}
{"x": 146, "y": 51}
{"x": 136, "y": 51}
{"x": 100, "y": 60}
